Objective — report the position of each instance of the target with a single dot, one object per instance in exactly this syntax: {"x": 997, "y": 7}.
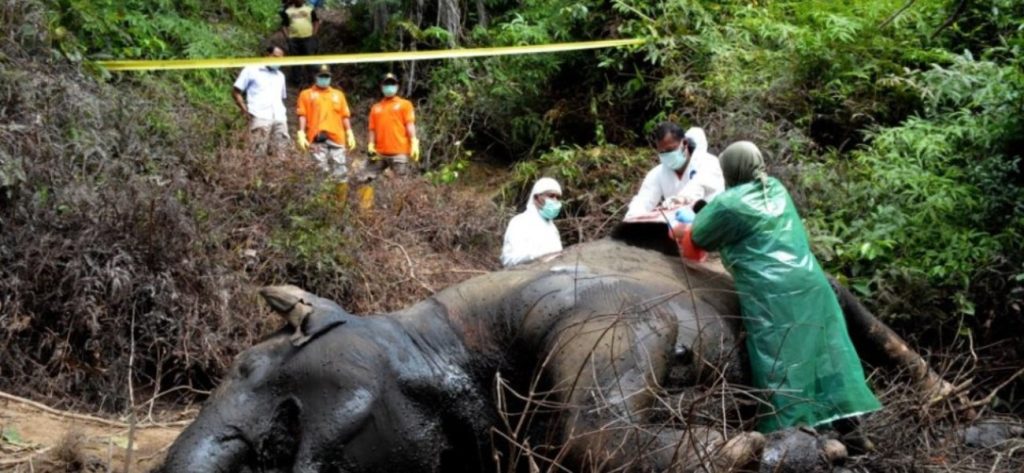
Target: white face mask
{"x": 673, "y": 160}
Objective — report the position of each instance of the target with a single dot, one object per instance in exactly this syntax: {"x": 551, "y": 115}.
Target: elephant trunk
{"x": 201, "y": 449}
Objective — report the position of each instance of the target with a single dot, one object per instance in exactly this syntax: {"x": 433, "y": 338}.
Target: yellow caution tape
{"x": 173, "y": 64}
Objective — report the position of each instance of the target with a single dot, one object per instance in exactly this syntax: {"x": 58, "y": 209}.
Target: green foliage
{"x": 936, "y": 200}
{"x": 906, "y": 151}
{"x": 597, "y": 184}
{"x": 504, "y": 101}
{"x": 311, "y": 238}
{"x": 449, "y": 172}
{"x": 164, "y": 29}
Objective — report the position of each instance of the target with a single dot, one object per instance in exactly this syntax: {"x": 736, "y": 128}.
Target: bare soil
{"x": 38, "y": 439}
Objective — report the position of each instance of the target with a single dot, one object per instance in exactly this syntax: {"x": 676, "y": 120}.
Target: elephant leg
{"x": 606, "y": 369}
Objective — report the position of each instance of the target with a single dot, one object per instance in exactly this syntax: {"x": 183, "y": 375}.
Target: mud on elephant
{"x": 570, "y": 355}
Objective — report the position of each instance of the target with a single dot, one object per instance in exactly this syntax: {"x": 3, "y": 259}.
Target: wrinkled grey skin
{"x": 414, "y": 390}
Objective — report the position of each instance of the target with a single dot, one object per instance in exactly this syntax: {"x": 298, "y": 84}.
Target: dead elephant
{"x": 588, "y": 337}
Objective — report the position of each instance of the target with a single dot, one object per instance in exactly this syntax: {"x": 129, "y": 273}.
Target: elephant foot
{"x": 798, "y": 450}
{"x": 739, "y": 451}
{"x": 992, "y": 433}
{"x": 703, "y": 449}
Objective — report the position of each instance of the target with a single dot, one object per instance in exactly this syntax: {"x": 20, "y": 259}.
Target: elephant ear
{"x": 316, "y": 323}
{"x": 313, "y": 315}
{"x": 283, "y": 298}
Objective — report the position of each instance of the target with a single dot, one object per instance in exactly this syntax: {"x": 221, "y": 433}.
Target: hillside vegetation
{"x": 133, "y": 224}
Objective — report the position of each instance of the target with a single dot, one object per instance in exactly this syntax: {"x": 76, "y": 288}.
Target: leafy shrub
{"x": 597, "y": 185}
{"x": 935, "y": 202}
{"x": 130, "y": 251}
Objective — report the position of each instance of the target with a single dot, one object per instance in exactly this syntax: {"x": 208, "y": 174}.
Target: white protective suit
{"x": 701, "y": 179}
{"x": 530, "y": 236}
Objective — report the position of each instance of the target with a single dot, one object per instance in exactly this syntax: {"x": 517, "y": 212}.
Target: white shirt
{"x": 701, "y": 179}
{"x": 264, "y": 91}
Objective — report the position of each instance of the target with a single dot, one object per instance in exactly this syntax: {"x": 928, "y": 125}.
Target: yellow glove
{"x": 301, "y": 141}
{"x": 415, "y": 153}
{"x": 351, "y": 140}
{"x": 371, "y": 149}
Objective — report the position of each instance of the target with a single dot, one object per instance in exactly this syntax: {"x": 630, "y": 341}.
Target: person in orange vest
{"x": 324, "y": 125}
{"x": 392, "y": 139}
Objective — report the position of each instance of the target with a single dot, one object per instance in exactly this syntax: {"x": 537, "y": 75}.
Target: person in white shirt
{"x": 687, "y": 173}
{"x": 259, "y": 93}
{"x": 532, "y": 234}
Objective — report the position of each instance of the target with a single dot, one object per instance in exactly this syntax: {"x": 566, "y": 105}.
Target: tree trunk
{"x": 481, "y": 13}
{"x": 380, "y": 17}
{"x": 879, "y": 344}
{"x": 449, "y": 17}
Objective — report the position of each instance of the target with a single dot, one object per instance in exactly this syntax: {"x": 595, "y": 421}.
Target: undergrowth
{"x": 136, "y": 231}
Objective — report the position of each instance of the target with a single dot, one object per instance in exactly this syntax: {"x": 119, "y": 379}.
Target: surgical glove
{"x": 415, "y": 153}
{"x": 371, "y": 149}
{"x": 675, "y": 201}
{"x": 351, "y": 140}
{"x": 301, "y": 141}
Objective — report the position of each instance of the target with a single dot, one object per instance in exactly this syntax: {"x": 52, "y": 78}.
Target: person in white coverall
{"x": 532, "y": 234}
{"x": 687, "y": 172}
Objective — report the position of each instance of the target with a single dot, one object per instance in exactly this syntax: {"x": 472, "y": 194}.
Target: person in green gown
{"x": 799, "y": 348}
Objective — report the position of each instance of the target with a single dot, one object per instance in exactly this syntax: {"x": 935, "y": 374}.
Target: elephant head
{"x": 349, "y": 398}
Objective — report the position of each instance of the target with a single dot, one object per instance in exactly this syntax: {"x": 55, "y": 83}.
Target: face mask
{"x": 673, "y": 160}
{"x": 389, "y": 90}
{"x": 274, "y": 67}
{"x": 550, "y": 209}
{"x": 323, "y": 82}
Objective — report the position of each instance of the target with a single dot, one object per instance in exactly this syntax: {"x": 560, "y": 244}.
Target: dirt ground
{"x": 36, "y": 438}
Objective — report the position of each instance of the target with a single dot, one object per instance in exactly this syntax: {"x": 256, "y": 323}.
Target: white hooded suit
{"x": 530, "y": 236}
{"x": 701, "y": 179}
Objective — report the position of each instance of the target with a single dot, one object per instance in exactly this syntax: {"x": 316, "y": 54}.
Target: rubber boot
{"x": 365, "y": 193}
{"x": 341, "y": 191}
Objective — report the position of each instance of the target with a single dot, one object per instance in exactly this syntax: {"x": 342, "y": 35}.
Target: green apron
{"x": 800, "y": 351}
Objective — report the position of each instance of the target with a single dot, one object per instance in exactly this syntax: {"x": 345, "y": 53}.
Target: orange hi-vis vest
{"x": 388, "y": 119}
{"x": 324, "y": 110}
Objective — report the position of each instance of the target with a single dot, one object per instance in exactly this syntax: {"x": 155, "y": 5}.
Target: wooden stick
{"x": 85, "y": 417}
{"x": 70, "y": 415}
{"x": 26, "y": 458}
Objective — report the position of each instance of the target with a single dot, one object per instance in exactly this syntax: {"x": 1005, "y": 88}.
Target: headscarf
{"x": 741, "y": 163}
{"x": 544, "y": 184}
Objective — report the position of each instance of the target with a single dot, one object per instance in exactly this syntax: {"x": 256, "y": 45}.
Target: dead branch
{"x": 896, "y": 14}
{"x": 992, "y": 394}
{"x": 85, "y": 417}
{"x": 960, "y": 9}
{"x": 24, "y": 459}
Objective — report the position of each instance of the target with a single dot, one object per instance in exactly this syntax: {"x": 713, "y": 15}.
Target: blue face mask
{"x": 389, "y": 90}
{"x": 550, "y": 209}
{"x": 673, "y": 160}
{"x": 274, "y": 67}
{"x": 323, "y": 82}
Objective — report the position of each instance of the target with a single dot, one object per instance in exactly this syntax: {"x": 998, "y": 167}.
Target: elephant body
{"x": 586, "y": 340}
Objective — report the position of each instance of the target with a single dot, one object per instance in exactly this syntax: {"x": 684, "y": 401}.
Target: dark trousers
{"x": 302, "y": 76}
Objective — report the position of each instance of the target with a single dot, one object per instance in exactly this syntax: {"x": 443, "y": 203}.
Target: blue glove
{"x": 685, "y": 215}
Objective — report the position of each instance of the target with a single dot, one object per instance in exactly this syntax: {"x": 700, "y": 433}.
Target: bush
{"x": 934, "y": 202}
{"x": 131, "y": 252}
